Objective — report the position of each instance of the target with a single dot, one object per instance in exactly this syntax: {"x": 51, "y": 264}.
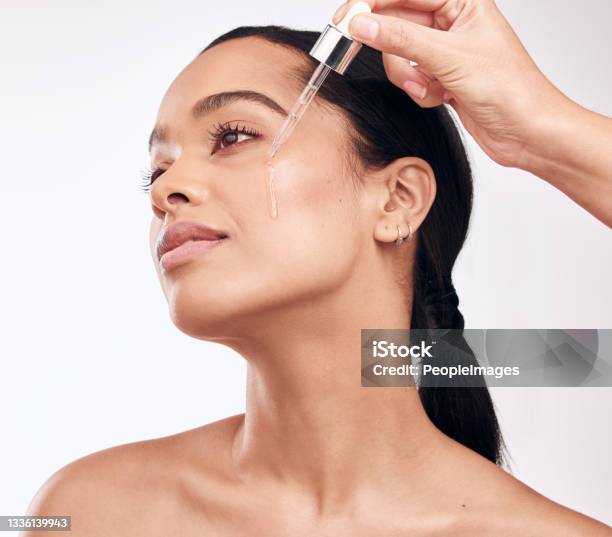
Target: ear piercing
{"x": 400, "y": 237}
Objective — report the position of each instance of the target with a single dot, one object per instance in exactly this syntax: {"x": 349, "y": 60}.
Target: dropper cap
{"x": 336, "y": 48}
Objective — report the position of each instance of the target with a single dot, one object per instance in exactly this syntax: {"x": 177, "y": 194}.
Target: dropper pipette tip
{"x": 273, "y": 150}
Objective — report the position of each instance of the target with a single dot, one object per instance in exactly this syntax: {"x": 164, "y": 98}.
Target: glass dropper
{"x": 335, "y": 50}
{"x": 300, "y": 107}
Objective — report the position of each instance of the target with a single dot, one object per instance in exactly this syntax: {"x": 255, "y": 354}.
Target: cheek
{"x": 310, "y": 193}
{"x": 314, "y": 237}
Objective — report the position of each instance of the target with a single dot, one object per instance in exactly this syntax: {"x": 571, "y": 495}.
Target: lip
{"x": 186, "y": 251}
{"x": 182, "y": 241}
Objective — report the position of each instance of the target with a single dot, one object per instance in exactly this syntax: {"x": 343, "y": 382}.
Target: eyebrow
{"x": 214, "y": 102}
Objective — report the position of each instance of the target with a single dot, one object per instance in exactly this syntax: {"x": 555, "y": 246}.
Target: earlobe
{"x": 410, "y": 194}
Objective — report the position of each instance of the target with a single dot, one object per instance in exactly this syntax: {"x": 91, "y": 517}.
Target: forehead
{"x": 249, "y": 63}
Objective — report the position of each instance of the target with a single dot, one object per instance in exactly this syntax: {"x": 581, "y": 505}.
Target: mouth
{"x": 182, "y": 241}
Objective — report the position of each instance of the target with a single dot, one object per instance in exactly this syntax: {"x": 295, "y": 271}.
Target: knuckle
{"x": 399, "y": 37}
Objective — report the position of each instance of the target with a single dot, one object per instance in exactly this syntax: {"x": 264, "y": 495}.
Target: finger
{"x": 422, "y": 87}
{"x": 340, "y": 12}
{"x": 421, "y": 5}
{"x": 432, "y": 97}
{"x": 425, "y": 18}
{"x": 428, "y": 47}
{"x": 448, "y": 97}
{"x": 397, "y": 63}
{"x": 400, "y": 69}
{"x": 424, "y": 72}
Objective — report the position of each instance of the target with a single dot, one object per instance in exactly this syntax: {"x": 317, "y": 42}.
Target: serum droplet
{"x": 272, "y": 203}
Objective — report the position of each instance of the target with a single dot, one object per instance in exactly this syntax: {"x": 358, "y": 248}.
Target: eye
{"x": 225, "y": 135}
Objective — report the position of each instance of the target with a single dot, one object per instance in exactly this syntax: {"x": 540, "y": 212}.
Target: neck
{"x": 308, "y": 421}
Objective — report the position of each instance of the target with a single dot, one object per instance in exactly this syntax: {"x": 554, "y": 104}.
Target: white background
{"x": 89, "y": 356}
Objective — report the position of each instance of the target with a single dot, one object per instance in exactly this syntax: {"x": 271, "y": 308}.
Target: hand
{"x": 469, "y": 57}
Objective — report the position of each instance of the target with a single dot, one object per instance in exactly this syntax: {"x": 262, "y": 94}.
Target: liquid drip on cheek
{"x": 272, "y": 202}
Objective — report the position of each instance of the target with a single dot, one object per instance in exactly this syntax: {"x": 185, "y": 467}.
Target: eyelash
{"x": 148, "y": 175}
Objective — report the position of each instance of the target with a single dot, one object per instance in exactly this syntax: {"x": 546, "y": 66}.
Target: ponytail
{"x": 465, "y": 413}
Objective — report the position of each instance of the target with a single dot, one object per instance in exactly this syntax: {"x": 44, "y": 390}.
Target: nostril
{"x": 176, "y": 197}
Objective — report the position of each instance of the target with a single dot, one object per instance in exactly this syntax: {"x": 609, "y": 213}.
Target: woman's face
{"x": 218, "y": 177}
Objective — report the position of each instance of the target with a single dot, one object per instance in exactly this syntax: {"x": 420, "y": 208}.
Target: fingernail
{"x": 339, "y": 13}
{"x": 364, "y": 27}
{"x": 416, "y": 89}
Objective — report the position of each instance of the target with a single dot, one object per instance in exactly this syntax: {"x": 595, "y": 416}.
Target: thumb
{"x": 427, "y": 46}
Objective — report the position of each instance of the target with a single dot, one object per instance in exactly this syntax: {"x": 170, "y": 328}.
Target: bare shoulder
{"x": 530, "y": 513}
{"x": 558, "y": 520}
{"x": 140, "y": 488}
{"x": 506, "y": 507}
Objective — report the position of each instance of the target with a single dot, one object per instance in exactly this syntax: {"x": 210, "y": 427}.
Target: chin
{"x": 213, "y": 311}
{"x": 200, "y": 311}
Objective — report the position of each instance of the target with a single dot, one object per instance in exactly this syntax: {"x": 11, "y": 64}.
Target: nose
{"x": 169, "y": 193}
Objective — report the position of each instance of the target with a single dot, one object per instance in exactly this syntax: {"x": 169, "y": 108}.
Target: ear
{"x": 409, "y": 194}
